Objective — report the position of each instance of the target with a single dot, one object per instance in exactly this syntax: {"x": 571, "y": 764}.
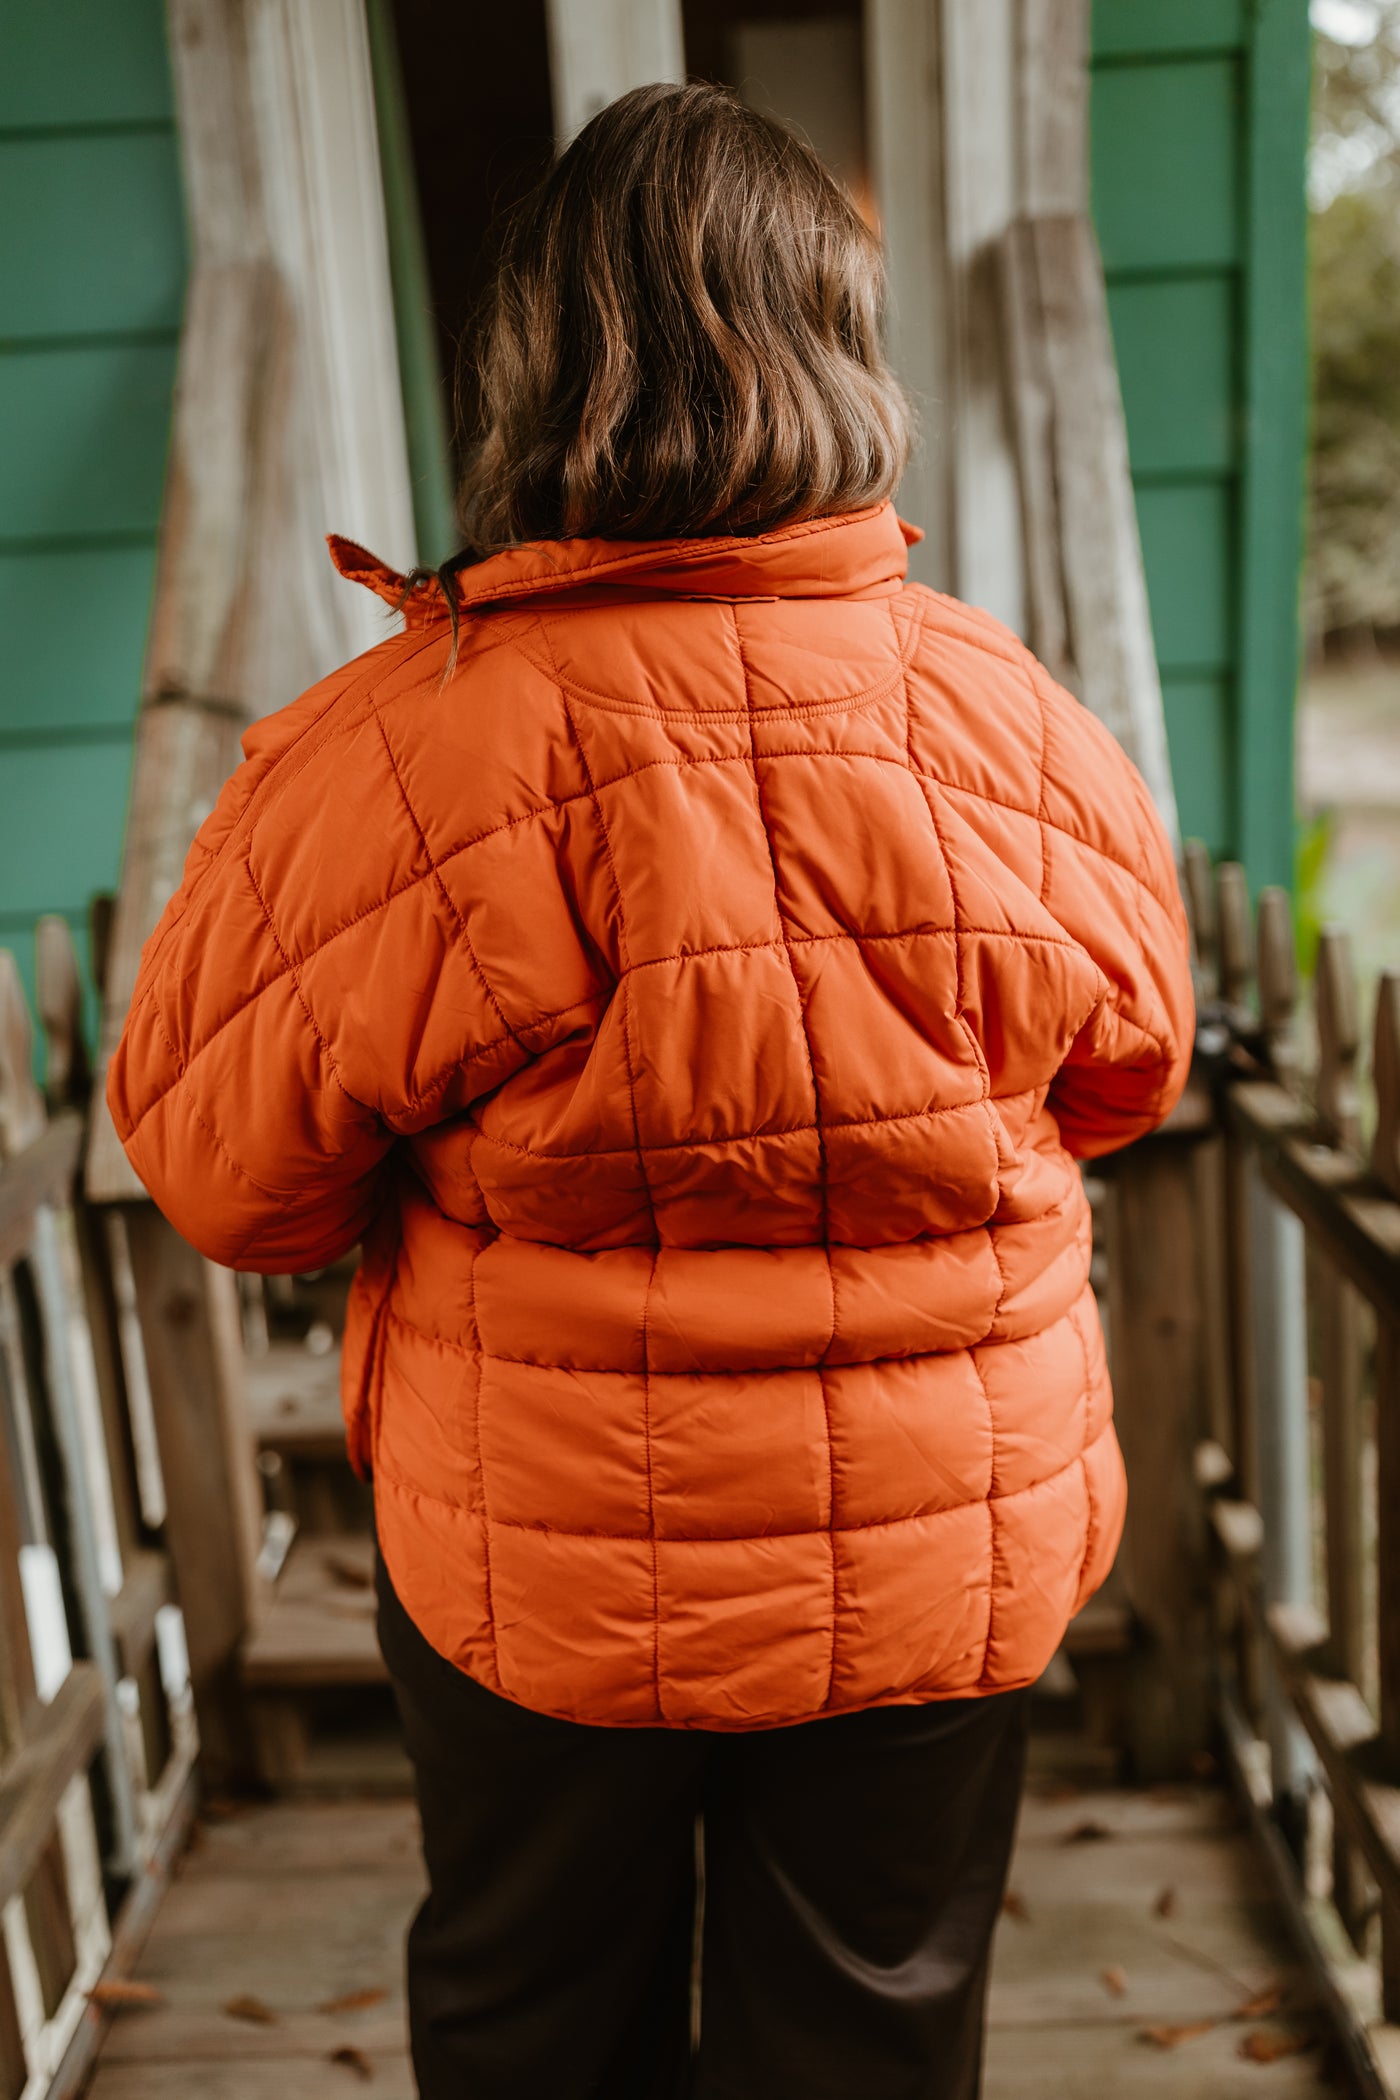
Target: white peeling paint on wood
{"x": 598, "y": 49}
{"x": 903, "y": 89}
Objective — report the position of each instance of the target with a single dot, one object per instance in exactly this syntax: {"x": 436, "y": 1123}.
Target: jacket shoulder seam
{"x": 591, "y": 696}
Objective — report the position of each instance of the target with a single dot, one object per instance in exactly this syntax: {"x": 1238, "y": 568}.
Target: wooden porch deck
{"x": 277, "y": 1954}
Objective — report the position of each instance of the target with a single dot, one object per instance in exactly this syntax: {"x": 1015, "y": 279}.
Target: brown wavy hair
{"x": 683, "y": 338}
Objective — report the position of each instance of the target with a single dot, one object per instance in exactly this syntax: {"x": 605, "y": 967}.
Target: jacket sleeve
{"x": 224, "y": 1092}
{"x": 1111, "y": 882}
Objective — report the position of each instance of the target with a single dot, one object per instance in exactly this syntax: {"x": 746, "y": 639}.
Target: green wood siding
{"x": 1198, "y": 141}
{"x": 420, "y": 374}
{"x": 92, "y": 270}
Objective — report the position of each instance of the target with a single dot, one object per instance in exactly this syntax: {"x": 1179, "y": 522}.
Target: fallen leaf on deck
{"x": 251, "y": 2009}
{"x": 353, "y": 2060}
{"x": 1114, "y": 1981}
{"x": 353, "y": 2001}
{"x": 1260, "y": 2005}
{"x": 1268, "y": 2045}
{"x": 1087, "y": 1833}
{"x": 1165, "y": 1906}
{"x": 1173, "y": 2037}
{"x": 116, "y": 1991}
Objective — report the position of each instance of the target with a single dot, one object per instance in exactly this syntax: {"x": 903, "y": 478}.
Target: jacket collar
{"x": 862, "y": 552}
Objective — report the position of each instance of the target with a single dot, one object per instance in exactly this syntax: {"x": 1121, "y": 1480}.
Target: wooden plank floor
{"x": 1129, "y": 1911}
{"x": 280, "y": 1911}
{"x": 1132, "y": 1916}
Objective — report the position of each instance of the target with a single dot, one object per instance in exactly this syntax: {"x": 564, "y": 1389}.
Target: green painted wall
{"x": 92, "y": 270}
{"x": 1199, "y": 135}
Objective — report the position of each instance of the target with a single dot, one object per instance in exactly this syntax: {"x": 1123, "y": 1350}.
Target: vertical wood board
{"x": 598, "y": 49}
{"x": 903, "y": 96}
{"x": 979, "y": 116}
{"x": 1053, "y": 105}
{"x": 210, "y": 1474}
{"x": 1205, "y": 251}
{"x": 424, "y": 394}
{"x": 1275, "y": 387}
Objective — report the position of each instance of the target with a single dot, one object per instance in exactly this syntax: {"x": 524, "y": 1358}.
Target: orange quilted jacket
{"x": 696, "y": 1002}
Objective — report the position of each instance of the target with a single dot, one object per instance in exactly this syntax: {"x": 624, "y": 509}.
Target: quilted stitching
{"x": 825, "y": 1226}
{"x": 1075, "y": 1464}
{"x": 614, "y": 703}
{"x": 625, "y": 1015}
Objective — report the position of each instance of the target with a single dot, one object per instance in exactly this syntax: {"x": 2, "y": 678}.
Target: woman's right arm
{"x": 1111, "y": 882}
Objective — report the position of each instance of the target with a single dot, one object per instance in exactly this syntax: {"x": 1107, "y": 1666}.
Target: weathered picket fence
{"x": 97, "y": 1733}
{"x": 1295, "y": 1229}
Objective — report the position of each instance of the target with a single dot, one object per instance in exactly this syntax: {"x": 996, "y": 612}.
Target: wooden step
{"x": 319, "y": 1626}
{"x": 318, "y": 1698}
{"x": 294, "y": 1401}
{"x": 316, "y": 1641}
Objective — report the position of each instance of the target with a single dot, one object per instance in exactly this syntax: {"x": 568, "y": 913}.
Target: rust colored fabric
{"x": 696, "y": 1002}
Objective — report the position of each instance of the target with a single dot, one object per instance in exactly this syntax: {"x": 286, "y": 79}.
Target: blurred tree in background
{"x": 1353, "y": 587}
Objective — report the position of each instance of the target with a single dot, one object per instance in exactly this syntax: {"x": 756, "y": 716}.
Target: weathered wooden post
{"x": 600, "y": 48}
{"x": 1166, "y": 1322}
{"x": 153, "y": 1696}
{"x": 1234, "y": 972}
{"x": 1234, "y": 937}
{"x": 1277, "y": 1396}
{"x": 1158, "y": 1349}
{"x": 67, "y": 1085}
{"x": 1385, "y": 1164}
{"x": 1198, "y": 888}
{"x": 62, "y": 1739}
{"x": 70, "y": 1381}
{"x": 189, "y": 1336}
{"x": 1338, "y": 1312}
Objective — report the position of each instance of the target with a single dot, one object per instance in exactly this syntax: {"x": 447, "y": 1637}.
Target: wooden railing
{"x": 97, "y": 1732}
{"x": 1299, "y": 1468}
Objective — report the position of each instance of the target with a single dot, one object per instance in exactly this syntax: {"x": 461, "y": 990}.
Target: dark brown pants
{"x": 853, "y": 1874}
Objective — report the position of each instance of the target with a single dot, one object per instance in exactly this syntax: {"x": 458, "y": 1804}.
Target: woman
{"x": 690, "y": 959}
